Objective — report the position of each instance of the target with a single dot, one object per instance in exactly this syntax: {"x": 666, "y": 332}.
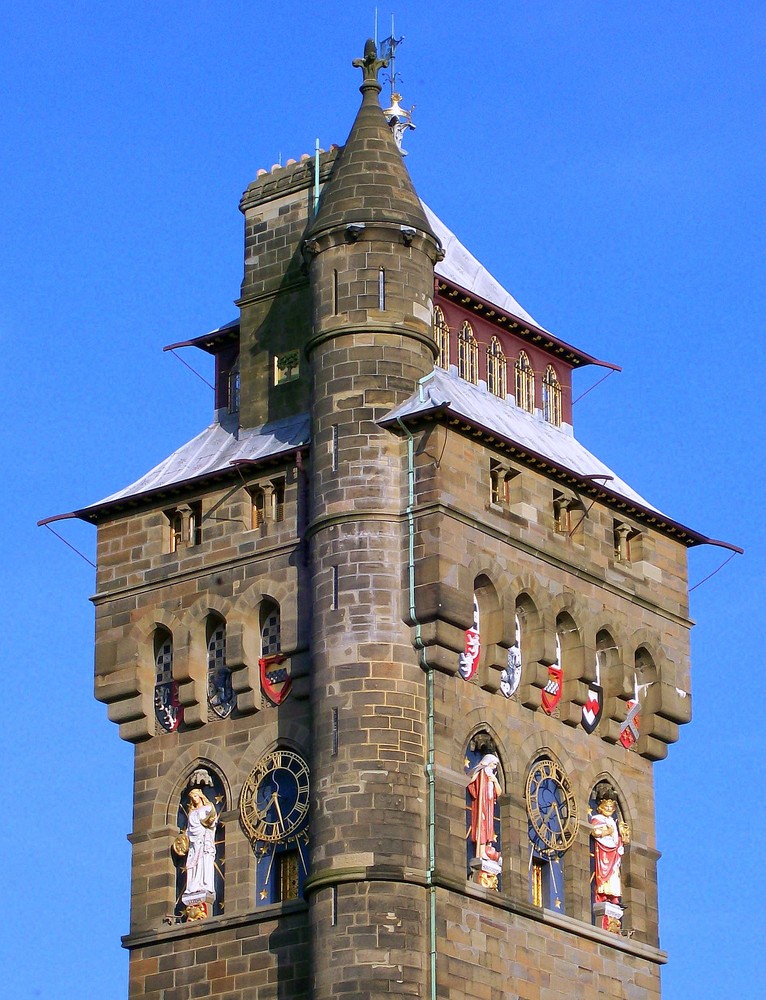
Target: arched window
{"x": 606, "y": 654}
{"x": 511, "y": 675}
{"x": 468, "y": 661}
{"x": 551, "y": 695}
{"x": 441, "y": 336}
{"x": 551, "y": 397}
{"x": 644, "y": 675}
{"x": 496, "y": 369}
{"x": 609, "y": 837}
{"x": 276, "y": 679}
{"x": 468, "y": 355}
{"x": 525, "y": 383}
{"x": 271, "y": 629}
{"x": 220, "y": 693}
{"x": 167, "y": 708}
{"x": 484, "y": 785}
{"x": 199, "y": 850}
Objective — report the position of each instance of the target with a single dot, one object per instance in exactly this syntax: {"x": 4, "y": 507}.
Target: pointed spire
{"x": 370, "y": 182}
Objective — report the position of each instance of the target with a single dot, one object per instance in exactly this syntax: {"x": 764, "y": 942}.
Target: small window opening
{"x": 627, "y": 541}
{"x": 382, "y": 289}
{"x": 233, "y": 391}
{"x": 568, "y": 514}
{"x": 184, "y": 526}
{"x": 334, "y": 447}
{"x": 267, "y": 503}
{"x": 502, "y": 484}
{"x": 335, "y": 292}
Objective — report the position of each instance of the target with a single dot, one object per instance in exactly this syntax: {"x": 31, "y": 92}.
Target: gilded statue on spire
{"x": 370, "y": 65}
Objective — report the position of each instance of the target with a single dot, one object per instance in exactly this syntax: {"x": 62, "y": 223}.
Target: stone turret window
{"x": 441, "y": 336}
{"x": 627, "y": 542}
{"x": 184, "y": 526}
{"x": 504, "y": 484}
{"x": 568, "y": 514}
{"x": 496, "y": 369}
{"x": 267, "y": 503}
{"x": 551, "y": 397}
{"x": 525, "y": 383}
{"x": 468, "y": 355}
{"x": 382, "y": 288}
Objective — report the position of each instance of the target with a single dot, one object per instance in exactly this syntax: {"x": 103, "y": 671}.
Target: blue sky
{"x": 604, "y": 160}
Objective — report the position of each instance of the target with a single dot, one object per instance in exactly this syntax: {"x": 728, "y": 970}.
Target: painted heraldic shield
{"x": 630, "y": 728}
{"x": 593, "y": 708}
{"x": 551, "y": 695}
{"x": 275, "y": 677}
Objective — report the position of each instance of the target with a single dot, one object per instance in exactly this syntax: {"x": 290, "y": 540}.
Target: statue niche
{"x": 198, "y": 850}
{"x": 483, "y": 790}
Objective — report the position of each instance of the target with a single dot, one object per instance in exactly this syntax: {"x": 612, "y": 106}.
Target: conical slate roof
{"x": 370, "y": 182}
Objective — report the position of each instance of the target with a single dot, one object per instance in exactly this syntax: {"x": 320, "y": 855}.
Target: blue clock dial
{"x": 551, "y": 808}
{"x": 275, "y": 798}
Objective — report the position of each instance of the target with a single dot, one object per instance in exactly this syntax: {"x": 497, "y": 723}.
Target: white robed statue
{"x": 200, "y": 860}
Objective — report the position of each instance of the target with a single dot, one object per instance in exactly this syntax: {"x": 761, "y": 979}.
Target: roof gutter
{"x": 587, "y": 482}
{"x": 587, "y": 359}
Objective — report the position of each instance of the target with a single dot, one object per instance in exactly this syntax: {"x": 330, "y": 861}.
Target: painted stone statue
{"x": 198, "y": 844}
{"x": 609, "y": 838}
{"x": 484, "y": 789}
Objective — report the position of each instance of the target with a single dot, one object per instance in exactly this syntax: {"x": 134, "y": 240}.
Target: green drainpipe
{"x": 429, "y": 700}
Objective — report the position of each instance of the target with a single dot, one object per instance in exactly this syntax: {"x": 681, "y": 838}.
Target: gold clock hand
{"x": 271, "y": 862}
{"x": 279, "y": 812}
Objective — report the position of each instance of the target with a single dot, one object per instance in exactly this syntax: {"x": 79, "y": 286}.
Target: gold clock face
{"x": 275, "y": 798}
{"x": 551, "y": 808}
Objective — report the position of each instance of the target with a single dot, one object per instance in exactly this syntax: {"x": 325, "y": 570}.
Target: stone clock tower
{"x": 397, "y": 653}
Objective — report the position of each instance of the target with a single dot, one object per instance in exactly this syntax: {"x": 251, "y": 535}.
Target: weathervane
{"x": 397, "y": 117}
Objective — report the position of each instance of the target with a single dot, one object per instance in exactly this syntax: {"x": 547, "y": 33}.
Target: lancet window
{"x": 441, "y": 336}
{"x": 496, "y": 369}
{"x": 220, "y": 693}
{"x": 468, "y": 355}
{"x": 271, "y": 629}
{"x": 525, "y": 383}
{"x": 551, "y": 397}
{"x": 167, "y": 708}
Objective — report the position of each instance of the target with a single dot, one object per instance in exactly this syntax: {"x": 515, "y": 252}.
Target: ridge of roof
{"x": 463, "y": 269}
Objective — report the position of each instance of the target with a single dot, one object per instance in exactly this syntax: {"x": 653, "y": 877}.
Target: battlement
{"x": 295, "y": 175}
